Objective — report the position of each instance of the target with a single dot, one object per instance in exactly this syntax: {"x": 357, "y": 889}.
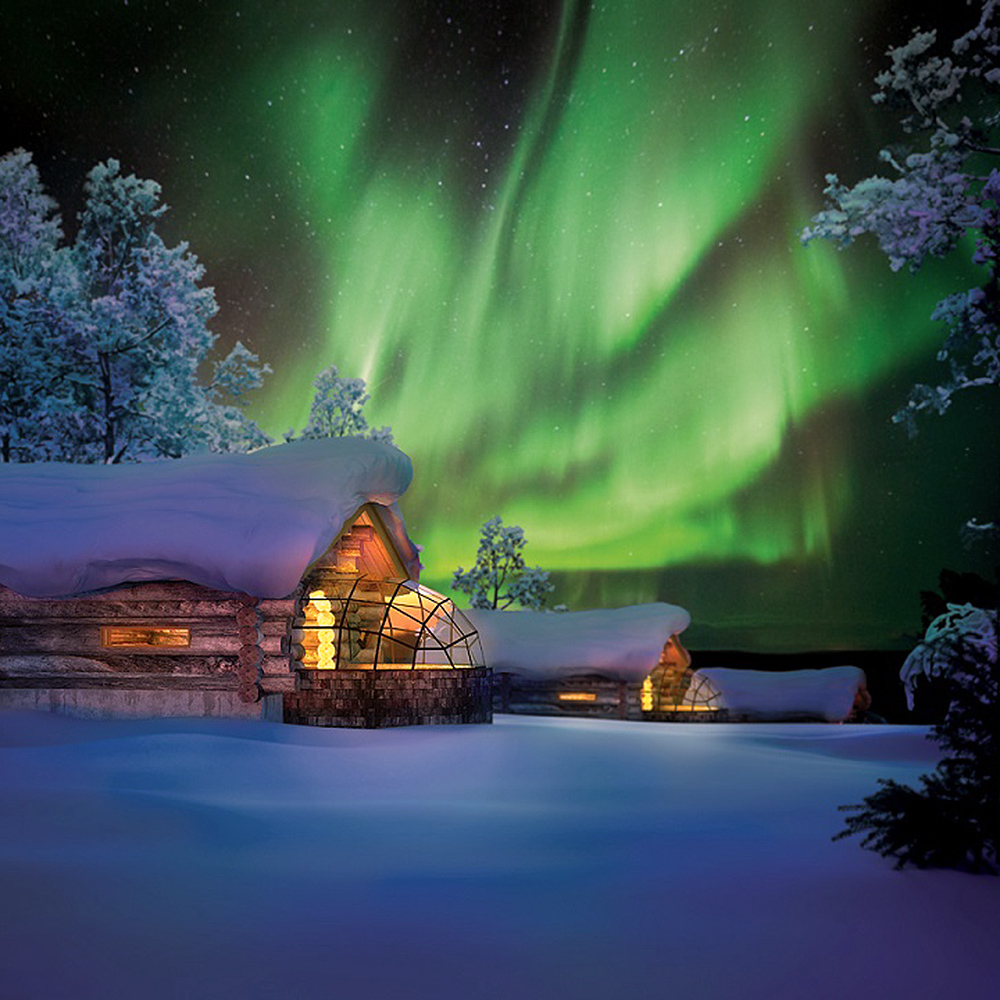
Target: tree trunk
{"x": 109, "y": 421}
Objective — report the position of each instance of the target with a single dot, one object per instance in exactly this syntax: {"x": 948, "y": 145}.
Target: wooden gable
{"x": 364, "y": 548}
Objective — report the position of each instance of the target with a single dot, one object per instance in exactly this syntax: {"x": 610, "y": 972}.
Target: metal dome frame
{"x": 385, "y": 625}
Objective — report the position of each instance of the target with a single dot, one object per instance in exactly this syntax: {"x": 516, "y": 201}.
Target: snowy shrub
{"x": 962, "y": 626}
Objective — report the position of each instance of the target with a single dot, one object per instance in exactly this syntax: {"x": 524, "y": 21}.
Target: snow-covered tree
{"x": 961, "y": 626}
{"x": 940, "y": 197}
{"x": 500, "y": 577}
{"x": 141, "y": 331}
{"x": 953, "y": 819}
{"x": 225, "y": 426}
{"x": 238, "y": 373}
{"x": 103, "y": 339}
{"x": 30, "y": 234}
{"x": 337, "y": 409}
{"x": 30, "y": 229}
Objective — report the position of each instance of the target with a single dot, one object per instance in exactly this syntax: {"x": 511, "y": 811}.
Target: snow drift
{"x": 622, "y": 643}
{"x": 241, "y": 522}
{"x": 216, "y": 859}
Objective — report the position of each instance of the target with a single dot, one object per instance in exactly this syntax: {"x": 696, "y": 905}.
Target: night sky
{"x": 560, "y": 243}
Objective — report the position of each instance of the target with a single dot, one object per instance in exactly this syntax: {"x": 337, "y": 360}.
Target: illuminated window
{"x": 691, "y": 692}
{"x": 577, "y": 696}
{"x": 646, "y": 700}
{"x": 674, "y": 688}
{"x": 363, "y": 624}
{"x": 701, "y": 695}
{"x": 318, "y": 632}
{"x": 143, "y": 637}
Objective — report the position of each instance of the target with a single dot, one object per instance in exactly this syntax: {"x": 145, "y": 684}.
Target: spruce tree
{"x": 953, "y": 819}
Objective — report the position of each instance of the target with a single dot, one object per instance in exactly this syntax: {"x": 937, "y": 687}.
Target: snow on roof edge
{"x": 622, "y": 643}
{"x": 248, "y": 523}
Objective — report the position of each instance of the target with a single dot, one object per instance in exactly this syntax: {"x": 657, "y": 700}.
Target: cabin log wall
{"x": 51, "y": 653}
{"x": 612, "y": 699}
{"x": 243, "y": 658}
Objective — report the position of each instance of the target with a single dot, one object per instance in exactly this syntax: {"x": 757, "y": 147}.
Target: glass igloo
{"x": 369, "y": 624}
{"x": 676, "y": 692}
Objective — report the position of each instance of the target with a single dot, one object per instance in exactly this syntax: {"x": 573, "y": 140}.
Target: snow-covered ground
{"x": 535, "y": 858}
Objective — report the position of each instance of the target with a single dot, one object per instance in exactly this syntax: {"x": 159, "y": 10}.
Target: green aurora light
{"x": 575, "y": 287}
{"x": 546, "y": 352}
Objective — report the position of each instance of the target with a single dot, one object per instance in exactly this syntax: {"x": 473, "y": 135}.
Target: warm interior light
{"x": 318, "y": 639}
{"x": 673, "y": 687}
{"x": 577, "y": 696}
{"x": 361, "y": 624}
{"x": 143, "y": 636}
{"x": 646, "y": 695}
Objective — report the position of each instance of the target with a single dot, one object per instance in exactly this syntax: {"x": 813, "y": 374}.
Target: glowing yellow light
{"x": 113, "y": 636}
{"x": 646, "y": 695}
{"x": 319, "y": 653}
{"x": 577, "y": 696}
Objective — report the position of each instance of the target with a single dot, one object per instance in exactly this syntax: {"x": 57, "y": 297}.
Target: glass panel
{"x": 362, "y": 624}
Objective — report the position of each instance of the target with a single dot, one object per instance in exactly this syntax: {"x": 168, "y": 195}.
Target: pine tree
{"x": 500, "y": 577}
{"x": 953, "y": 819}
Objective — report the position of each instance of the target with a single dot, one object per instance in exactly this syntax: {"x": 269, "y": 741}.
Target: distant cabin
{"x": 630, "y": 663}
{"x": 619, "y": 663}
{"x": 280, "y": 585}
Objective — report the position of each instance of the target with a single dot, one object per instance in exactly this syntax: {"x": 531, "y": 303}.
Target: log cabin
{"x": 279, "y": 585}
{"x": 630, "y": 663}
{"x": 624, "y": 663}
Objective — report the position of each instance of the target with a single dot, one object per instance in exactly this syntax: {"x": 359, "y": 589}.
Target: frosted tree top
{"x": 250, "y": 523}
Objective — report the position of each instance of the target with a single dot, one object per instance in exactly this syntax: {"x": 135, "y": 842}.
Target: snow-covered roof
{"x": 827, "y": 693}
{"x": 624, "y": 643}
{"x": 250, "y": 523}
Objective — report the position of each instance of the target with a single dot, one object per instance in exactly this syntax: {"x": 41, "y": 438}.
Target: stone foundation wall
{"x": 370, "y": 699}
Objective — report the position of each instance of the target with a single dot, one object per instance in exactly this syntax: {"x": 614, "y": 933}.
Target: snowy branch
{"x": 938, "y": 196}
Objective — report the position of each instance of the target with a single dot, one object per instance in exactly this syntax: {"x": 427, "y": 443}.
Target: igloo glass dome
{"x": 367, "y": 624}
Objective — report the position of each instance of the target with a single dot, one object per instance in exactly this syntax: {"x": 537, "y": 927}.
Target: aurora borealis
{"x": 560, "y": 243}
